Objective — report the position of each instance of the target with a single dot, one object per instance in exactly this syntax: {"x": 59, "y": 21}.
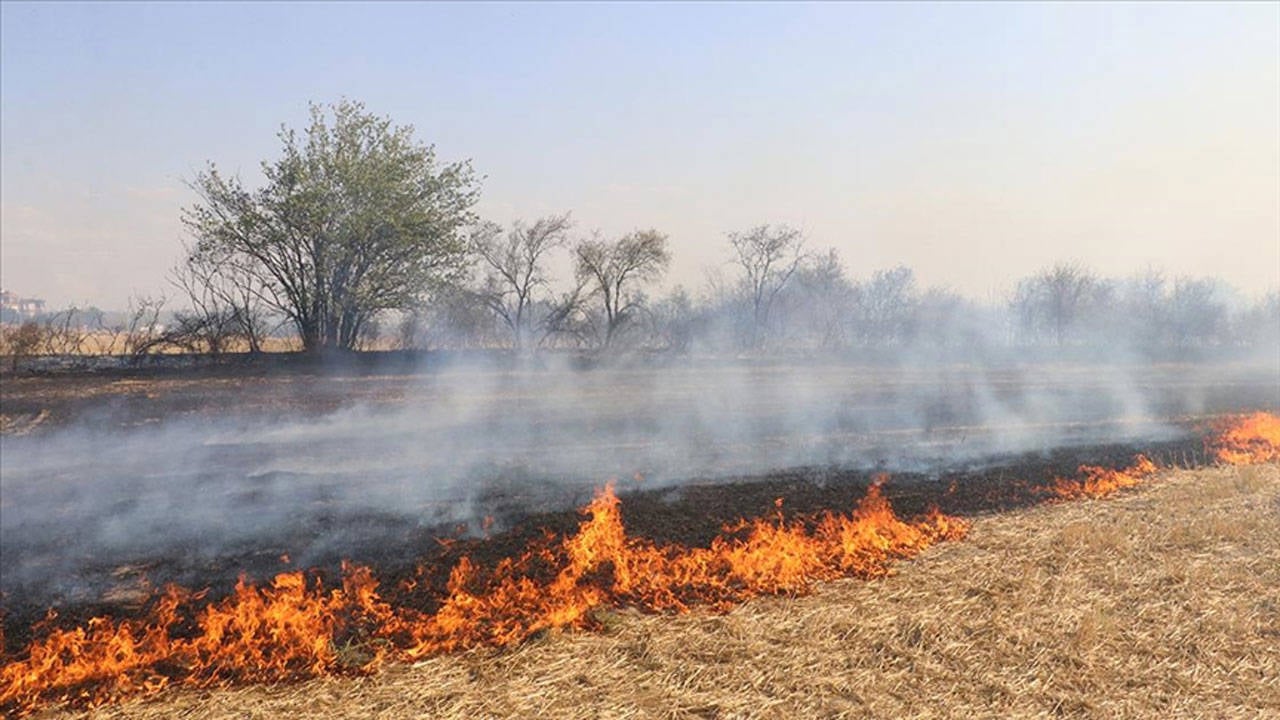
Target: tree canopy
{"x": 355, "y": 217}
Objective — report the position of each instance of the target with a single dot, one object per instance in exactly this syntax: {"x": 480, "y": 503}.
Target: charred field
{"x": 691, "y": 515}
{"x": 222, "y": 478}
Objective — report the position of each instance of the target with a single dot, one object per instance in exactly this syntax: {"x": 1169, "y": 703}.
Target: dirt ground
{"x": 1161, "y": 602}
{"x": 42, "y": 403}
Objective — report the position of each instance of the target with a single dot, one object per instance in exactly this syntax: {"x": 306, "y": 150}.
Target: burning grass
{"x": 295, "y": 628}
{"x": 1097, "y": 482}
{"x": 1159, "y": 603}
{"x": 1247, "y": 439}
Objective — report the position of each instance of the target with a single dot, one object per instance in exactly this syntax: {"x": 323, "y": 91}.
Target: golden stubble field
{"x": 1163, "y": 601}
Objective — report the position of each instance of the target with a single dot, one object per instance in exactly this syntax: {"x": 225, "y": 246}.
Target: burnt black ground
{"x": 690, "y": 514}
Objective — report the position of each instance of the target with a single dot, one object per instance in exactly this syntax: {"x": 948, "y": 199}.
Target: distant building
{"x": 18, "y": 309}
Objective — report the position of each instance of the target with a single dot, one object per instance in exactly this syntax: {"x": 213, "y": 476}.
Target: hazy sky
{"x": 974, "y": 143}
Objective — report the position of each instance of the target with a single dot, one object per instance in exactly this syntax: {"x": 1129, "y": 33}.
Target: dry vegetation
{"x": 93, "y": 343}
{"x": 1161, "y": 602}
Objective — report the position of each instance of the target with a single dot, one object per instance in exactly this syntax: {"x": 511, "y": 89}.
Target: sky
{"x": 974, "y": 143}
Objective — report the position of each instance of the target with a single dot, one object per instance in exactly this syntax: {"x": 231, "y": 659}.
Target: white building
{"x": 17, "y": 309}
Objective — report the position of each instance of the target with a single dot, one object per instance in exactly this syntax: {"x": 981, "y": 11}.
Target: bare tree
{"x": 515, "y": 279}
{"x": 226, "y": 304}
{"x": 671, "y": 322}
{"x": 564, "y": 316}
{"x": 721, "y": 313}
{"x": 824, "y": 301}
{"x": 453, "y": 318}
{"x": 768, "y": 258}
{"x": 1143, "y": 300}
{"x": 612, "y": 270}
{"x": 1055, "y": 299}
{"x": 143, "y": 331}
{"x": 1196, "y": 315}
{"x": 66, "y": 332}
{"x": 1258, "y": 325}
{"x": 945, "y": 319}
{"x": 887, "y": 307}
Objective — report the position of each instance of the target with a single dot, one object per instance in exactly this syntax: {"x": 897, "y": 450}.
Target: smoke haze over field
{"x": 85, "y": 503}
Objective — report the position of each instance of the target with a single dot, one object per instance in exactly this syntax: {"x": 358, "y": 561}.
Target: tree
{"x": 672, "y": 320}
{"x": 611, "y": 270}
{"x": 768, "y": 258}
{"x": 225, "y": 304}
{"x": 142, "y": 332}
{"x": 1144, "y": 316}
{"x": 945, "y": 319}
{"x": 824, "y": 300}
{"x": 887, "y": 306}
{"x": 1057, "y": 298}
{"x": 1196, "y": 315}
{"x": 66, "y": 332}
{"x": 515, "y": 280}
{"x": 23, "y": 342}
{"x": 453, "y": 319}
{"x": 1259, "y": 324}
{"x": 355, "y": 218}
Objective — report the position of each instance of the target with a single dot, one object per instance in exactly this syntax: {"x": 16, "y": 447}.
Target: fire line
{"x": 294, "y": 628}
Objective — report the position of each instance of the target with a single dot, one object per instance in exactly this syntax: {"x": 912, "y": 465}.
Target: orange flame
{"x": 290, "y": 629}
{"x": 1097, "y": 482}
{"x": 1248, "y": 439}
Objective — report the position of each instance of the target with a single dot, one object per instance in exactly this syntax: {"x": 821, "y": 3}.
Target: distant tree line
{"x": 359, "y": 237}
{"x": 775, "y": 298}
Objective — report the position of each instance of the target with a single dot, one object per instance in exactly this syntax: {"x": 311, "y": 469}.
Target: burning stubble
{"x": 295, "y": 628}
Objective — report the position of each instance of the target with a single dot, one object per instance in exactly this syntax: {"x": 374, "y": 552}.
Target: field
{"x": 116, "y": 484}
{"x": 1162, "y": 602}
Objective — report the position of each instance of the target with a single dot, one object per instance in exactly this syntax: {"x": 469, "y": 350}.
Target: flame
{"x": 1247, "y": 439}
{"x": 1093, "y": 481}
{"x": 293, "y": 628}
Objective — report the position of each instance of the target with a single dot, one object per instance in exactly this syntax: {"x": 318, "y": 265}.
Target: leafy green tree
{"x": 356, "y": 217}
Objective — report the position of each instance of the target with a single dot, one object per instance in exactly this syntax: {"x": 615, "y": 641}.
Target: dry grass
{"x": 1163, "y": 602}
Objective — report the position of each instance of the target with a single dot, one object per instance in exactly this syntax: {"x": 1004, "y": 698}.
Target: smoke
{"x": 87, "y": 507}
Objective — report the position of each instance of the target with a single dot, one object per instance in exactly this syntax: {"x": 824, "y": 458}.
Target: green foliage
{"x": 355, "y": 218}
